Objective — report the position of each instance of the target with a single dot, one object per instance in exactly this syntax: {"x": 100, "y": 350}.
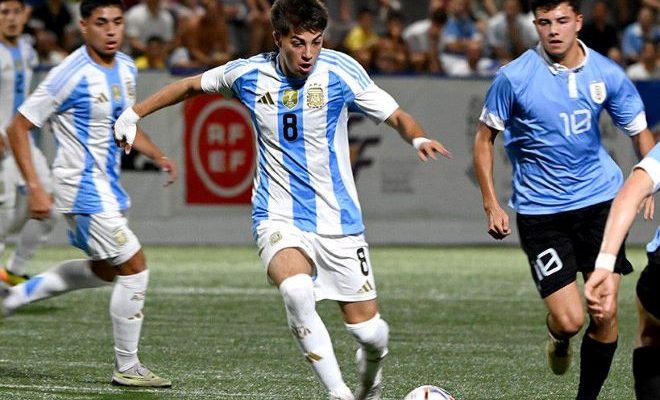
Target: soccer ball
{"x": 429, "y": 392}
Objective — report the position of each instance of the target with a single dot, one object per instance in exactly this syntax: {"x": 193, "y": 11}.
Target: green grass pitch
{"x": 466, "y": 319}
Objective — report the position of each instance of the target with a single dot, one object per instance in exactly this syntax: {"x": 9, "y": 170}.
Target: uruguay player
{"x": 548, "y": 103}
{"x": 17, "y": 58}
{"x": 82, "y": 97}
{"x": 306, "y": 217}
{"x": 600, "y": 289}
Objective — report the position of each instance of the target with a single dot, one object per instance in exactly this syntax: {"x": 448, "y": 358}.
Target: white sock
{"x": 126, "y": 306}
{"x": 373, "y": 336}
{"x": 310, "y": 332}
{"x": 65, "y": 277}
{"x": 33, "y": 234}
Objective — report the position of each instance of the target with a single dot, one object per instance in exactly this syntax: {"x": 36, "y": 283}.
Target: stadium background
{"x": 404, "y": 201}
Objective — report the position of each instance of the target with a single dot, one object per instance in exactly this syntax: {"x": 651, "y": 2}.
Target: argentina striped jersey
{"x": 16, "y": 64}
{"x": 304, "y": 172}
{"x": 82, "y": 100}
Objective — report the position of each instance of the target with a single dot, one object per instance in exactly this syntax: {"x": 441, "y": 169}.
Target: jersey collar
{"x": 556, "y": 68}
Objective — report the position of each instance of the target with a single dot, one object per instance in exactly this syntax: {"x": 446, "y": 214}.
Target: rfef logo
{"x": 220, "y": 151}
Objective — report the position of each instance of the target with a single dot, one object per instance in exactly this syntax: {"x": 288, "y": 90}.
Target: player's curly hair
{"x": 298, "y": 16}
{"x": 87, "y": 7}
{"x": 549, "y": 4}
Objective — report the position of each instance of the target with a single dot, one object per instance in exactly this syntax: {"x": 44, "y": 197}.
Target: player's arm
{"x": 412, "y": 132}
{"x": 498, "y": 219}
{"x": 145, "y": 146}
{"x": 18, "y": 134}
{"x": 643, "y": 142}
{"x": 126, "y": 128}
{"x": 600, "y": 288}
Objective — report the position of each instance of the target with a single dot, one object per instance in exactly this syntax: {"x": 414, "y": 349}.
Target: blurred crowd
{"x": 457, "y": 38}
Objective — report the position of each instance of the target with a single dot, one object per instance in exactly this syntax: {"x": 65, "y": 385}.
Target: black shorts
{"x": 648, "y": 285}
{"x": 560, "y": 245}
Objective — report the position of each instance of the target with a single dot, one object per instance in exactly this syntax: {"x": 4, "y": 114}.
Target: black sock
{"x": 646, "y": 370}
{"x": 595, "y": 361}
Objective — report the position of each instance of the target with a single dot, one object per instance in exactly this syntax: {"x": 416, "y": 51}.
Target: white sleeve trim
{"x": 491, "y": 120}
{"x": 637, "y": 125}
{"x": 652, "y": 167}
{"x": 210, "y": 80}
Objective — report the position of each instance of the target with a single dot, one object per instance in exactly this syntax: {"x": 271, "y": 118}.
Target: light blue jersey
{"x": 82, "y": 100}
{"x": 16, "y": 64}
{"x": 304, "y": 173}
{"x": 651, "y": 164}
{"x": 549, "y": 115}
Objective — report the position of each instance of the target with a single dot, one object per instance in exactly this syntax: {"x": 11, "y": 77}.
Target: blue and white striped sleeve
{"x": 51, "y": 93}
{"x": 221, "y": 79}
{"x": 366, "y": 95}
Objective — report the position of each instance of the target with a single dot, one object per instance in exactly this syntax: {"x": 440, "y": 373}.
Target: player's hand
{"x": 648, "y": 204}
{"x": 428, "y": 149}
{"x": 167, "y": 167}
{"x": 126, "y": 129}
{"x": 498, "y": 222}
{"x": 600, "y": 291}
{"x": 39, "y": 202}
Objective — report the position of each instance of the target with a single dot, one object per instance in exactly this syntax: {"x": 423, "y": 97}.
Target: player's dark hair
{"x": 87, "y": 7}
{"x": 20, "y": 1}
{"x": 534, "y": 5}
{"x": 298, "y": 16}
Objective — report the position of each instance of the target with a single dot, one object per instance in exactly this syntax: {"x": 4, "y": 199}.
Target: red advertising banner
{"x": 220, "y": 151}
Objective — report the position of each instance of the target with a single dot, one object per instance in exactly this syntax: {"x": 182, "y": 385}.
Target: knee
{"x": 373, "y": 334}
{"x": 298, "y": 294}
{"x": 569, "y": 324}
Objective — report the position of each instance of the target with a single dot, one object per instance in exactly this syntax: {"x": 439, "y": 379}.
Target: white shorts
{"x": 103, "y": 236}
{"x": 13, "y": 200}
{"x": 342, "y": 267}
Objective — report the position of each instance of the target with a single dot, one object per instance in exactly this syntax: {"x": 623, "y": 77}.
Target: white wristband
{"x": 606, "y": 261}
{"x": 418, "y": 141}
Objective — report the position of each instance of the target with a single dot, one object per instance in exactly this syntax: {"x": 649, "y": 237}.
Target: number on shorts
{"x": 364, "y": 264}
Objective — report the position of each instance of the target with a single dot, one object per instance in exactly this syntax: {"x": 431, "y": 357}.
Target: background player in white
{"x": 600, "y": 288}
{"x": 82, "y": 97}
{"x": 17, "y": 58}
{"x": 306, "y": 217}
{"x": 548, "y": 103}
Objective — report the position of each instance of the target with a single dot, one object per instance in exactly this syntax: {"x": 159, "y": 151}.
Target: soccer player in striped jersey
{"x": 17, "y": 58}
{"x": 306, "y": 217}
{"x": 548, "y": 102}
{"x": 81, "y": 98}
{"x": 600, "y": 289}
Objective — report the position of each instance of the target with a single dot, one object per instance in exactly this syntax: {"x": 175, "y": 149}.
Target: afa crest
{"x": 598, "y": 92}
{"x": 120, "y": 237}
{"x": 290, "y": 98}
{"x": 116, "y": 93}
{"x": 315, "y": 96}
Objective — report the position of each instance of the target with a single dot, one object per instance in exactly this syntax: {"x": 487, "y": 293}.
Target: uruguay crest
{"x": 598, "y": 92}
{"x": 315, "y": 96}
{"x": 290, "y": 98}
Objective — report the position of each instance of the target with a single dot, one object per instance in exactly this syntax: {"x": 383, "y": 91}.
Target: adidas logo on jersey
{"x": 266, "y": 99}
{"x": 101, "y": 98}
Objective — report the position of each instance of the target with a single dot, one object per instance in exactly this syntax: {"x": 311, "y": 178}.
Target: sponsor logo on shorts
{"x": 274, "y": 238}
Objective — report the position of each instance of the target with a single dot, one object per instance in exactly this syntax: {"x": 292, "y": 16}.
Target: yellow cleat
{"x": 559, "y": 354}
{"x": 139, "y": 376}
{"x": 11, "y": 278}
